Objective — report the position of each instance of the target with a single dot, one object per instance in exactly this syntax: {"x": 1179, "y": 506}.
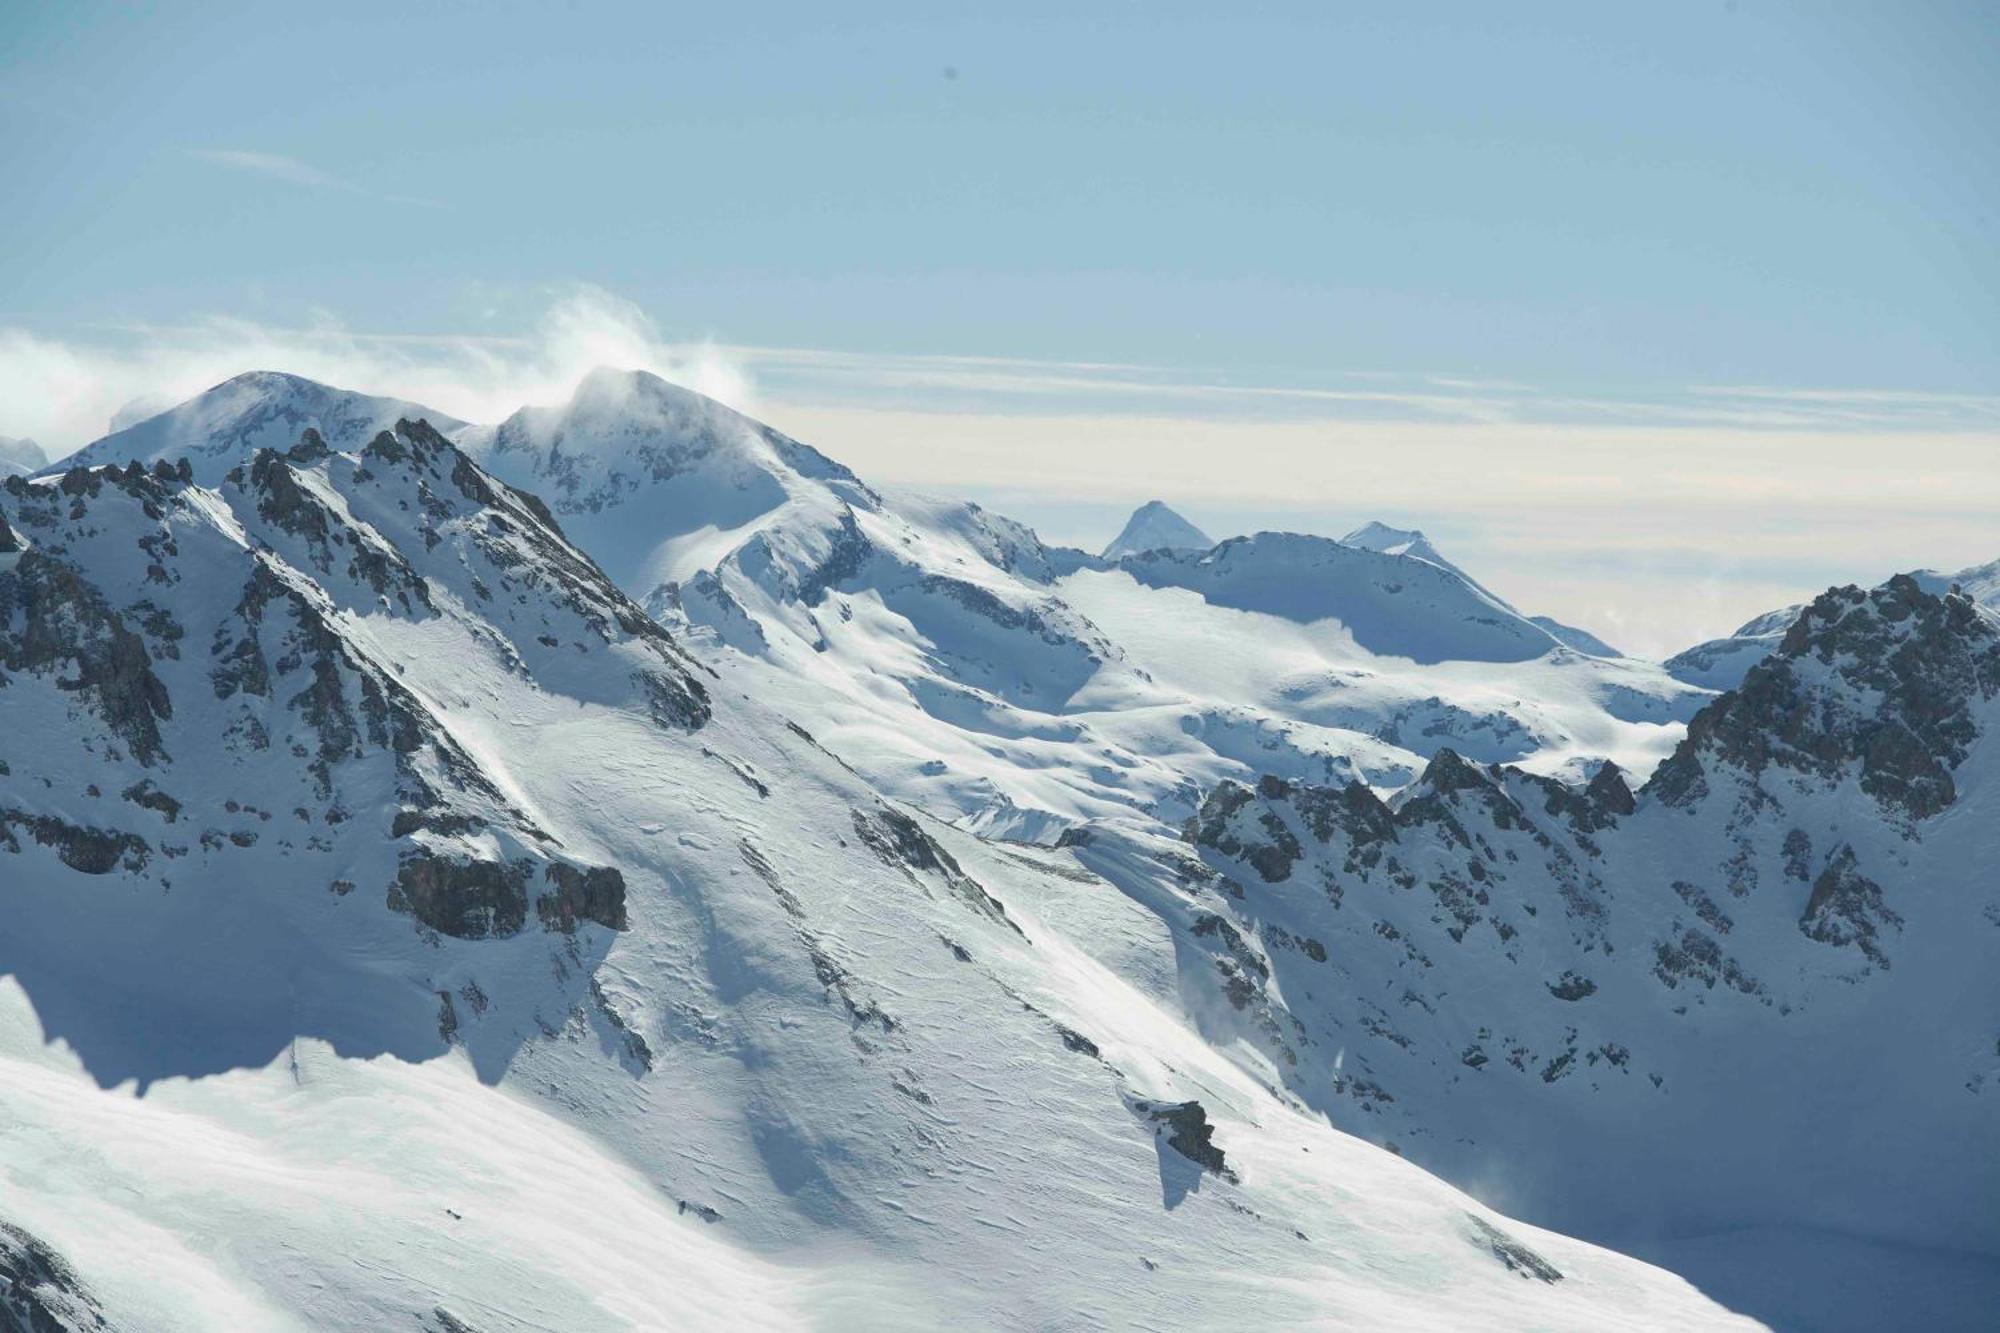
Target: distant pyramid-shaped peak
{"x": 1154, "y": 527}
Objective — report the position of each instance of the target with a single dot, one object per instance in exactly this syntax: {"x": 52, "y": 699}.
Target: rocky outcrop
{"x": 902, "y": 842}
{"x": 593, "y": 893}
{"x": 467, "y": 900}
{"x": 1846, "y": 907}
{"x": 40, "y": 1292}
{"x": 91, "y": 851}
{"x": 1877, "y": 684}
{"x": 1186, "y": 1129}
{"x": 52, "y": 620}
{"x": 472, "y": 899}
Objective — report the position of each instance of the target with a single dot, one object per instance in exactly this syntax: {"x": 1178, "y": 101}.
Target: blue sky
{"x": 909, "y": 226}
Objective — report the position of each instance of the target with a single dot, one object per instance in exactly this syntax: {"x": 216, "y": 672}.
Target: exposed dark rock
{"x": 1879, "y": 683}
{"x": 145, "y": 794}
{"x": 468, "y": 900}
{"x": 442, "y": 1320}
{"x": 1076, "y": 1041}
{"x": 1266, "y": 845}
{"x": 1608, "y": 791}
{"x": 902, "y": 842}
{"x": 1695, "y": 956}
{"x": 1571, "y": 986}
{"x": 847, "y": 552}
{"x": 594, "y": 893}
{"x": 1517, "y": 1257}
{"x": 39, "y": 1291}
{"x": 92, "y": 851}
{"x": 51, "y": 617}
{"x": 1187, "y": 1131}
{"x": 1846, "y": 907}
{"x": 1354, "y": 810}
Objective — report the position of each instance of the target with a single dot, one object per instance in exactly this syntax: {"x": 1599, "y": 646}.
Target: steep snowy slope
{"x": 262, "y": 409}
{"x": 1154, "y": 527}
{"x": 1656, "y": 1018}
{"x": 411, "y": 935}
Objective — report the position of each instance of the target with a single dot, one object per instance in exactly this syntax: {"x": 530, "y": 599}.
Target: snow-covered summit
{"x": 665, "y": 480}
{"x": 1378, "y": 536}
{"x": 260, "y": 409}
{"x": 1154, "y": 527}
{"x": 1381, "y": 537}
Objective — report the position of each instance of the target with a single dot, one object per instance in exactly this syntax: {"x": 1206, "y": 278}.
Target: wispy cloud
{"x": 278, "y": 167}
{"x": 931, "y": 382}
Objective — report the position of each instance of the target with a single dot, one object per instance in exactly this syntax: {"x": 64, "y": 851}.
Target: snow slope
{"x": 1154, "y": 527}
{"x": 413, "y": 935}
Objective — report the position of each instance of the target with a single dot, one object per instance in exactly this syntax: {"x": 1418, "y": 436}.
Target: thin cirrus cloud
{"x": 1654, "y": 518}
{"x": 290, "y": 170}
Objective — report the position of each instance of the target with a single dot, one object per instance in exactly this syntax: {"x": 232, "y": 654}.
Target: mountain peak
{"x": 1155, "y": 527}
{"x": 1377, "y": 536}
{"x": 259, "y": 409}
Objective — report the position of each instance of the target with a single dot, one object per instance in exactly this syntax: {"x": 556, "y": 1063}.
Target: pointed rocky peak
{"x": 1154, "y": 527}
{"x": 1609, "y": 792}
{"x": 261, "y": 409}
{"x": 1449, "y": 771}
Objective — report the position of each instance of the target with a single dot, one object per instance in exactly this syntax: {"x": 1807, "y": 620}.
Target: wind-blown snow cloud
{"x": 65, "y": 392}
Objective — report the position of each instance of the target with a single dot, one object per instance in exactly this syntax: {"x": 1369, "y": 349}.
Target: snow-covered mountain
{"x": 1326, "y": 831}
{"x": 408, "y": 932}
{"x": 1154, "y": 527}
{"x": 19, "y": 457}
